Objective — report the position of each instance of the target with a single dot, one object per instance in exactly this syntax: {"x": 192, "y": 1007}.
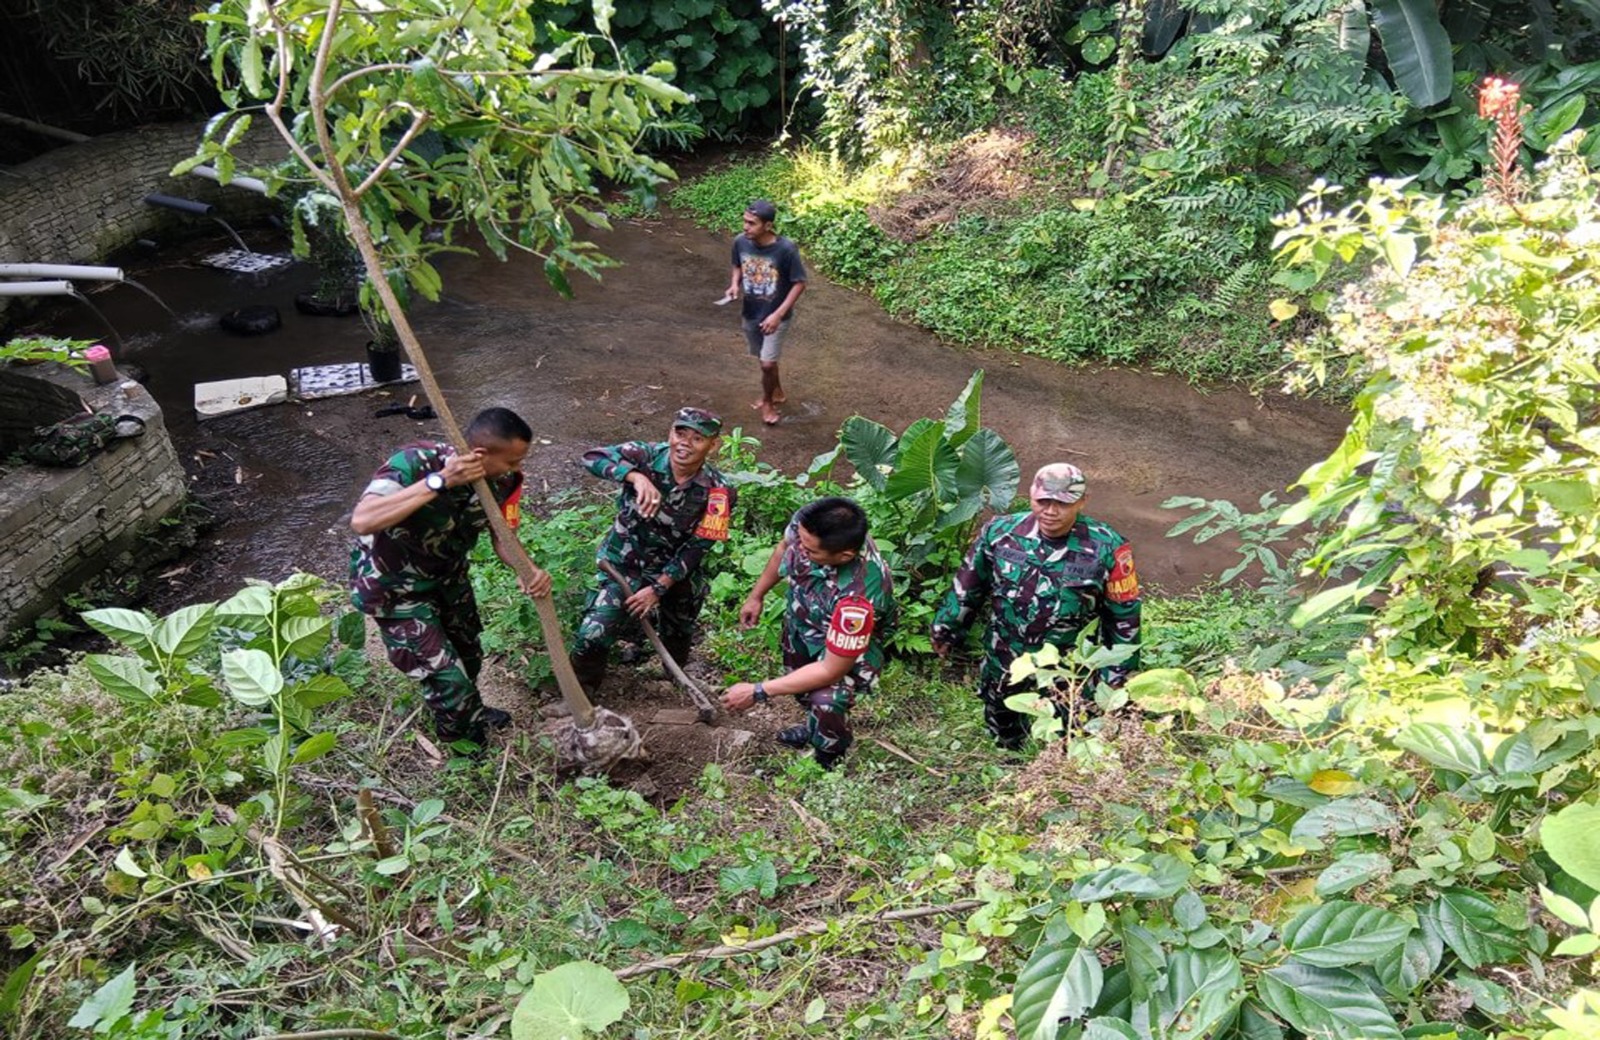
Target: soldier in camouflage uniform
{"x": 674, "y": 506}
{"x": 417, "y": 522}
{"x": 1043, "y": 575}
{"x": 839, "y": 614}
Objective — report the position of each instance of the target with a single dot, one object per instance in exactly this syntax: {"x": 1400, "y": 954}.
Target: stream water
{"x": 616, "y": 362}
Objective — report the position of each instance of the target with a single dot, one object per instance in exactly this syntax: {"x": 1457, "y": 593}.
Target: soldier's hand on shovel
{"x": 642, "y": 602}
{"x": 538, "y": 587}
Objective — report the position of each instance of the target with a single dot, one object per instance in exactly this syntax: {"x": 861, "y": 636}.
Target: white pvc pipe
{"x": 36, "y": 289}
{"x": 247, "y": 183}
{"x": 89, "y": 274}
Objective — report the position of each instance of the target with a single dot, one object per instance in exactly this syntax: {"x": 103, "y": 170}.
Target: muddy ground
{"x": 616, "y": 361}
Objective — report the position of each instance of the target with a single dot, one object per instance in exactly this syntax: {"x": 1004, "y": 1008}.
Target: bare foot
{"x": 780, "y": 397}
{"x": 769, "y": 415}
{"x": 757, "y": 404}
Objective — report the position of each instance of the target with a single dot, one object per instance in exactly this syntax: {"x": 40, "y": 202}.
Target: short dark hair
{"x": 498, "y": 424}
{"x": 838, "y": 524}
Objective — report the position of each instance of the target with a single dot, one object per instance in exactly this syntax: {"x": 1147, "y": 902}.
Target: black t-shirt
{"x": 767, "y": 273}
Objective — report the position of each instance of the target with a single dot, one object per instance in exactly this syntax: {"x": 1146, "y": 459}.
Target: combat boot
{"x": 829, "y": 759}
{"x": 590, "y": 668}
{"x": 797, "y": 737}
{"x": 451, "y": 727}
{"x": 493, "y": 718}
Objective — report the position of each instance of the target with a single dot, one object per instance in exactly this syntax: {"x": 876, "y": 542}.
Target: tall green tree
{"x": 448, "y": 114}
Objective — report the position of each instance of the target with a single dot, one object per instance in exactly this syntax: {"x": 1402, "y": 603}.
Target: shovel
{"x": 702, "y": 703}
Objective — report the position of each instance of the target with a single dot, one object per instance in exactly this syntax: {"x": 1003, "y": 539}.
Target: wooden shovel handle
{"x": 706, "y": 709}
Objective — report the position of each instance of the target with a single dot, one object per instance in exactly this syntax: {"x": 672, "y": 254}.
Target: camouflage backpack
{"x": 73, "y": 441}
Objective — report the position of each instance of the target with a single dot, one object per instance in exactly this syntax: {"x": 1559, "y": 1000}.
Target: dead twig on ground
{"x": 820, "y": 928}
{"x": 896, "y": 751}
{"x": 84, "y": 838}
{"x": 333, "y": 1034}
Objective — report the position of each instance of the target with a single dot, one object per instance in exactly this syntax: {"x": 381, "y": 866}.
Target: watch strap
{"x": 761, "y": 693}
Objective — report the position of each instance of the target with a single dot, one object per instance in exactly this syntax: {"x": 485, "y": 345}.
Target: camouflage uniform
{"x": 849, "y": 610}
{"x": 412, "y": 580}
{"x": 666, "y": 547}
{"x": 1040, "y": 590}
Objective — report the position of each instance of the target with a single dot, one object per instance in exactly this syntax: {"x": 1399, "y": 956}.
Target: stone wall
{"x": 27, "y": 402}
{"x": 83, "y": 202}
{"x": 61, "y": 527}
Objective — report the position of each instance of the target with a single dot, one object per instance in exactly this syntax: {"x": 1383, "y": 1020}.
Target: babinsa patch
{"x": 714, "y": 524}
{"x": 1123, "y": 585}
{"x": 850, "y": 628}
{"x": 511, "y": 508}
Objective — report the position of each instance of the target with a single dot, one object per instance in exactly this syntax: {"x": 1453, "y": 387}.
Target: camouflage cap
{"x": 699, "y": 420}
{"x": 1059, "y": 482}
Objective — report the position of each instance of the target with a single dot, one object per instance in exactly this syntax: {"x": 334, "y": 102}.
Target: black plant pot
{"x": 383, "y": 363}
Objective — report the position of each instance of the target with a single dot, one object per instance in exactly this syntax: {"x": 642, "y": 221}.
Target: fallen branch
{"x": 821, "y": 928}
{"x": 333, "y": 1034}
{"x": 896, "y": 751}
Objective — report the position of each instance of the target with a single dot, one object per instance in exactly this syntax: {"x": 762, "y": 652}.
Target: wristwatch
{"x": 761, "y": 693}
{"x": 435, "y": 482}
{"x": 659, "y": 589}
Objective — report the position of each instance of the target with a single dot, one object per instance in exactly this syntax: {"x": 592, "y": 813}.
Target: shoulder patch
{"x": 714, "y": 524}
{"x": 511, "y": 508}
{"x": 850, "y": 628}
{"x": 1123, "y": 585}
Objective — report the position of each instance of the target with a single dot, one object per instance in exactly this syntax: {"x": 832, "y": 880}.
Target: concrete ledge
{"x": 59, "y": 528}
{"x": 226, "y": 396}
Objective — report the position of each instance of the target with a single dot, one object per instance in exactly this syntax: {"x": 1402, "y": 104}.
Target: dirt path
{"x": 615, "y": 362}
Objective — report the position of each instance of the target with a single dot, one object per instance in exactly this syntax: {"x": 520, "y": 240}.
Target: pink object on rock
{"x": 100, "y": 365}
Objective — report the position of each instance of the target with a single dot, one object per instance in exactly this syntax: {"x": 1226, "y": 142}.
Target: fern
{"x": 1232, "y": 290}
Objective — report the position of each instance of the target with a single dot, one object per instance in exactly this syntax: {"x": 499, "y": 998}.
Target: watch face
{"x": 435, "y": 481}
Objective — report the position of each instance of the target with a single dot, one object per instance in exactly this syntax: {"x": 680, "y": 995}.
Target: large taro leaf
{"x": 1417, "y": 48}
{"x": 1340, "y": 932}
{"x": 569, "y": 1002}
{"x": 1572, "y": 838}
{"x": 988, "y": 470}
{"x": 870, "y": 447}
{"x": 926, "y": 462}
{"x": 961, "y": 420}
{"x": 1342, "y": 818}
{"x": 1326, "y": 1002}
{"x": 1467, "y": 923}
{"x": 1202, "y": 987}
{"x": 1059, "y": 982}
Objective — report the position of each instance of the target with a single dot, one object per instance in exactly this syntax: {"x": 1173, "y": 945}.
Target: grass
{"x": 1055, "y": 273}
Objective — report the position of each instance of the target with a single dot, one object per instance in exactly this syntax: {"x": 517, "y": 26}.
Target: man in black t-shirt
{"x": 769, "y": 276}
